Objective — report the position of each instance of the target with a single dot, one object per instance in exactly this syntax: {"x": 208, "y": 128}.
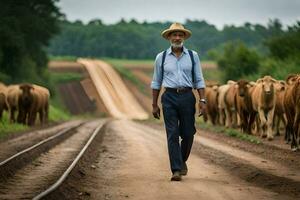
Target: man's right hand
{"x": 156, "y": 111}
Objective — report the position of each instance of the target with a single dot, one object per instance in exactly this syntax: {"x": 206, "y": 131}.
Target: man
{"x": 178, "y": 70}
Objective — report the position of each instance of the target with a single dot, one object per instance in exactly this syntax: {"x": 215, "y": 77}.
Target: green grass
{"x": 6, "y": 127}
{"x": 127, "y": 74}
{"x": 55, "y": 114}
{"x": 58, "y": 114}
{"x": 59, "y": 77}
{"x": 227, "y": 131}
{"x": 212, "y": 75}
{"x": 63, "y": 58}
{"x": 115, "y": 61}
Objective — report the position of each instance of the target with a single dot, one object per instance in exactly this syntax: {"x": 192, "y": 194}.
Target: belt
{"x": 179, "y": 90}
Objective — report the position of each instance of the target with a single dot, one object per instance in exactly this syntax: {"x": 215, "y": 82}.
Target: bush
{"x": 238, "y": 61}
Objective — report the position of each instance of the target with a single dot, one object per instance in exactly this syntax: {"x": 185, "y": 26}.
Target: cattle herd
{"x": 27, "y": 100}
{"x": 258, "y": 107}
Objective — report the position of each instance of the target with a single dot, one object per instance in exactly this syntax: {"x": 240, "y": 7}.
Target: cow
{"x": 3, "y": 101}
{"x": 279, "y": 115}
{"x": 263, "y": 101}
{"x": 211, "y": 94}
{"x": 13, "y": 92}
{"x": 32, "y": 100}
{"x": 244, "y": 105}
{"x": 45, "y": 95}
{"x": 292, "y": 108}
{"x": 230, "y": 106}
{"x": 221, "y": 103}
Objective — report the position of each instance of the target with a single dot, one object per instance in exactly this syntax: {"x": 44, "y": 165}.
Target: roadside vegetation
{"x": 226, "y": 131}
{"x": 126, "y": 73}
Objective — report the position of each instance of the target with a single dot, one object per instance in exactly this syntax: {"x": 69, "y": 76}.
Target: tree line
{"x": 130, "y": 39}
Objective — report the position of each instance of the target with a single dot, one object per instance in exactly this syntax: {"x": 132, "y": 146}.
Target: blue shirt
{"x": 177, "y": 71}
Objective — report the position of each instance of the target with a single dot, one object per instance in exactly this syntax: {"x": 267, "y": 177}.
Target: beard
{"x": 175, "y": 45}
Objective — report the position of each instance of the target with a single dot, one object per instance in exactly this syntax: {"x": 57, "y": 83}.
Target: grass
{"x": 227, "y": 131}
{"x": 212, "y": 75}
{"x": 127, "y": 74}
{"x": 59, "y": 77}
{"x": 115, "y": 61}
{"x": 55, "y": 114}
{"x": 58, "y": 114}
{"x": 63, "y": 58}
{"x": 6, "y": 127}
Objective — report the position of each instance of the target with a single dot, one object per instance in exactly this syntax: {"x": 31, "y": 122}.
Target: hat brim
{"x": 166, "y": 33}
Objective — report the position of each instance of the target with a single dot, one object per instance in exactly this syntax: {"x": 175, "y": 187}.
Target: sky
{"x": 216, "y": 12}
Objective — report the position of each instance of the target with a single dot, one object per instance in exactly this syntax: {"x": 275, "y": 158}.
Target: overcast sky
{"x": 216, "y": 12}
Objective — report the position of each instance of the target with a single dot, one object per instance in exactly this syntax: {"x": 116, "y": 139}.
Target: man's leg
{"x": 187, "y": 124}
{"x": 171, "y": 123}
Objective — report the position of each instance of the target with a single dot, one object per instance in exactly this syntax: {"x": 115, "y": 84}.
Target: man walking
{"x": 178, "y": 70}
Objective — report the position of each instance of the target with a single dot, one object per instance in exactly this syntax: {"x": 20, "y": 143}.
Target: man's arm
{"x": 155, "y": 94}
{"x": 156, "y": 85}
{"x": 155, "y": 108}
{"x": 202, "y": 103}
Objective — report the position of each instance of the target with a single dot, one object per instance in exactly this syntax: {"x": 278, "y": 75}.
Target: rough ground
{"x": 133, "y": 164}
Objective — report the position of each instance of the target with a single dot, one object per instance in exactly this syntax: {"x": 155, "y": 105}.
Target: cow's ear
{"x": 260, "y": 80}
{"x": 273, "y": 80}
{"x": 236, "y": 86}
{"x": 248, "y": 85}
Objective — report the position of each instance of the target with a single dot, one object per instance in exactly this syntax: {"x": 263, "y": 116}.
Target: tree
{"x": 26, "y": 28}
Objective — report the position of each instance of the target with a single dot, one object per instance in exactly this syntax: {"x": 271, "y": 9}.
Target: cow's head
{"x": 267, "y": 84}
{"x": 242, "y": 86}
{"x": 26, "y": 95}
{"x": 280, "y": 86}
{"x": 291, "y": 79}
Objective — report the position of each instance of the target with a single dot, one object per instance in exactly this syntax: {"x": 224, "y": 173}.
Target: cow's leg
{"x": 31, "y": 118}
{"x": 228, "y": 115}
{"x": 296, "y": 129}
{"x": 221, "y": 119}
{"x": 42, "y": 116}
{"x": 270, "y": 117}
{"x": 263, "y": 121}
{"x": 12, "y": 114}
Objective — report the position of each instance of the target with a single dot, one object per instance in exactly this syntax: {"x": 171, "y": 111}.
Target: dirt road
{"x": 133, "y": 164}
{"x": 116, "y": 97}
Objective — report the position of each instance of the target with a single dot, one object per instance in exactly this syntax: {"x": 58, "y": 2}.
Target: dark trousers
{"x": 179, "y": 116}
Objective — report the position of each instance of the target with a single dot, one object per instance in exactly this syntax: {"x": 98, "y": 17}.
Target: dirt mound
{"x": 116, "y": 97}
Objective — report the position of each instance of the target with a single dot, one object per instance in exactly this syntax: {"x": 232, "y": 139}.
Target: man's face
{"x": 176, "y": 39}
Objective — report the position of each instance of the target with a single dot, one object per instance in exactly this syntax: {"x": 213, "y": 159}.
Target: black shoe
{"x": 184, "y": 170}
{"x": 176, "y": 176}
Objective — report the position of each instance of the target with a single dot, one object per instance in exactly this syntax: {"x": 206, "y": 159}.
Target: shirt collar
{"x": 185, "y": 50}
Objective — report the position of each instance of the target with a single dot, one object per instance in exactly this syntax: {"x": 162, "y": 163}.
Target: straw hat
{"x": 176, "y": 27}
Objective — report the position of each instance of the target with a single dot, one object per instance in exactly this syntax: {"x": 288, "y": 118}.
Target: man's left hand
{"x": 202, "y": 111}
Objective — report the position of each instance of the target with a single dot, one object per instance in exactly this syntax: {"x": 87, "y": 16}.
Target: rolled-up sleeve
{"x": 157, "y": 74}
{"x": 199, "y": 80}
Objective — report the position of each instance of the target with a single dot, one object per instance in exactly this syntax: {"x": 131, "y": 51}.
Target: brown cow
{"x": 45, "y": 99}
{"x": 3, "y": 101}
{"x": 279, "y": 115}
{"x": 32, "y": 100}
{"x": 292, "y": 108}
{"x": 230, "y": 108}
{"x": 263, "y": 101}
{"x": 212, "y": 104}
{"x": 221, "y": 103}
{"x": 244, "y": 105}
{"x": 13, "y": 92}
